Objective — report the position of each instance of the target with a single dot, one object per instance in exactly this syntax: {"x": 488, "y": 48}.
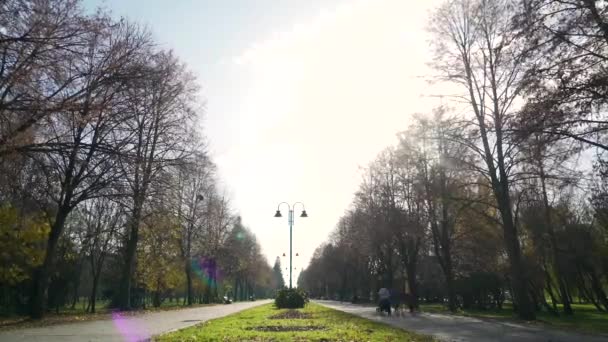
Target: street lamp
{"x": 290, "y": 220}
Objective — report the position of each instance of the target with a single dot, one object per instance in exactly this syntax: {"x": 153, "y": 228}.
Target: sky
{"x": 300, "y": 95}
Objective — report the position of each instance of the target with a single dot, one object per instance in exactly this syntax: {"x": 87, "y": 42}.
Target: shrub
{"x": 290, "y": 299}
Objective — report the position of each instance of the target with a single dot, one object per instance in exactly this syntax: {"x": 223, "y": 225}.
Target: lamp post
{"x": 290, "y": 219}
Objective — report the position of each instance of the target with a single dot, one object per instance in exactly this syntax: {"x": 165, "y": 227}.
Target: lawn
{"x": 313, "y": 323}
{"x": 586, "y": 317}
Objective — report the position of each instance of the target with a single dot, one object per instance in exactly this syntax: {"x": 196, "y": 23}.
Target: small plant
{"x": 290, "y": 299}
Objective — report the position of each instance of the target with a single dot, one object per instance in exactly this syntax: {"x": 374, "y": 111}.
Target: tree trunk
{"x": 207, "y": 293}
{"x": 539, "y": 294}
{"x": 500, "y": 188}
{"x": 189, "y": 282}
{"x": 445, "y": 234}
{"x": 75, "y": 297}
{"x": 550, "y": 291}
{"x": 597, "y": 288}
{"x": 556, "y": 257}
{"x": 585, "y": 292}
{"x": 96, "y": 276}
{"x": 214, "y": 282}
{"x": 452, "y": 301}
{"x": 156, "y": 299}
{"x": 236, "y": 287}
{"x": 124, "y": 295}
{"x": 525, "y": 307}
{"x": 411, "y": 281}
{"x": 568, "y": 293}
{"x": 41, "y": 274}
{"x": 389, "y": 269}
{"x": 343, "y": 285}
{"x": 93, "y": 297}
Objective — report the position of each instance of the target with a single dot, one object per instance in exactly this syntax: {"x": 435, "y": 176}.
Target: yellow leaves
{"x": 22, "y": 242}
{"x": 159, "y": 262}
{"x": 13, "y": 274}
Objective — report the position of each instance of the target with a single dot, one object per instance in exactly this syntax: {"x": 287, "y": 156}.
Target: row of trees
{"x": 105, "y": 182}
{"x": 504, "y": 193}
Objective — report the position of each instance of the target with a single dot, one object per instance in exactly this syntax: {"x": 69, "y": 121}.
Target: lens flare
{"x": 128, "y": 327}
{"x": 207, "y": 271}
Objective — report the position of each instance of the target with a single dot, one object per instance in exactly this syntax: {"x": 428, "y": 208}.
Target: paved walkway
{"x": 459, "y": 328}
{"x": 129, "y": 329}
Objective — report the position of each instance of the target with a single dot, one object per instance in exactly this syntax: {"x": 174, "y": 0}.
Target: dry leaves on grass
{"x": 283, "y": 328}
{"x": 292, "y": 314}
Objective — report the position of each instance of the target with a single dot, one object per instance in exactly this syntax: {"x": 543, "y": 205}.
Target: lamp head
{"x": 304, "y": 214}
{"x": 278, "y": 214}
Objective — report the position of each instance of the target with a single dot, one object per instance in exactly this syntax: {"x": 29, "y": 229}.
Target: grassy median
{"x": 313, "y": 323}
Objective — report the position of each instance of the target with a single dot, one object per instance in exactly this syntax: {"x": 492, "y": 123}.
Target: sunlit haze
{"x": 298, "y": 98}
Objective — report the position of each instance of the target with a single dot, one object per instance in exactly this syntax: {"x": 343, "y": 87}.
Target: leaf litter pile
{"x": 292, "y": 314}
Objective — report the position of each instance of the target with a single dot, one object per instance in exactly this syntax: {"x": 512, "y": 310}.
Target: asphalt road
{"x": 128, "y": 328}
{"x": 459, "y": 328}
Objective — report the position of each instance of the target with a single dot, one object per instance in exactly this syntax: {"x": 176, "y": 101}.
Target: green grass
{"x": 586, "y": 318}
{"x": 338, "y": 326}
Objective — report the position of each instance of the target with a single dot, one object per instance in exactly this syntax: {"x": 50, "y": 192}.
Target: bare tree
{"x": 102, "y": 219}
{"x": 195, "y": 183}
{"x": 38, "y": 42}
{"x": 477, "y": 49}
{"x": 219, "y": 220}
{"x": 568, "y": 41}
{"x": 439, "y": 172}
{"x": 77, "y": 153}
{"x": 158, "y": 122}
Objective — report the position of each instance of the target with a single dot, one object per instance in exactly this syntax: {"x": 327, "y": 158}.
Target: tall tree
{"x": 277, "y": 274}
{"x": 78, "y": 155}
{"x": 439, "y": 167}
{"x": 102, "y": 219}
{"x": 158, "y": 122}
{"x": 477, "y": 49}
{"x": 194, "y": 183}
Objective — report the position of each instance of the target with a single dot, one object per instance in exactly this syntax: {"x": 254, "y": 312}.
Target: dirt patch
{"x": 283, "y": 328}
{"x": 292, "y": 314}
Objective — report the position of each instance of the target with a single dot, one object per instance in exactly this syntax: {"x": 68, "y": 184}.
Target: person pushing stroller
{"x": 384, "y": 303}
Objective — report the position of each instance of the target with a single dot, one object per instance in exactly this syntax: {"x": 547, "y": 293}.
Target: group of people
{"x": 394, "y": 299}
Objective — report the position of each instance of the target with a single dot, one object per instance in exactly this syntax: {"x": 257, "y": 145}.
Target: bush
{"x": 290, "y": 299}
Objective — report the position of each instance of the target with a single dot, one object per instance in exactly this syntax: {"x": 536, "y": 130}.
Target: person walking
{"x": 384, "y": 300}
{"x": 394, "y": 300}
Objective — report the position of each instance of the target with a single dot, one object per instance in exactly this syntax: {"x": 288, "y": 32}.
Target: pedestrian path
{"x": 460, "y": 328}
{"x": 126, "y": 328}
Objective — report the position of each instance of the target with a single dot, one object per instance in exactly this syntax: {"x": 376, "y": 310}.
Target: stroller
{"x": 384, "y": 305}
